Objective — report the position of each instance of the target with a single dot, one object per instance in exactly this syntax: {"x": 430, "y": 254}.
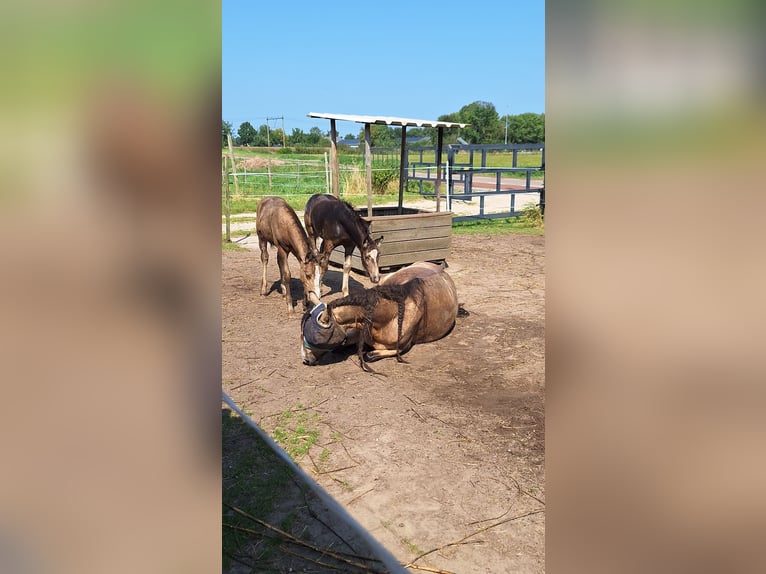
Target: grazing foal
{"x": 278, "y": 224}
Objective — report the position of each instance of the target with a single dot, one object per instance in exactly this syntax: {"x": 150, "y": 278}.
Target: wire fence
{"x": 291, "y": 178}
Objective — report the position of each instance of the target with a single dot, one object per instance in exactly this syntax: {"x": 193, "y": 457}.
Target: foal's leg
{"x": 327, "y": 247}
{"x": 264, "y": 245}
{"x": 347, "y": 270}
{"x": 284, "y": 272}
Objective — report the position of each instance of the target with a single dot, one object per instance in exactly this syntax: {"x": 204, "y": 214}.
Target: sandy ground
{"x": 445, "y": 452}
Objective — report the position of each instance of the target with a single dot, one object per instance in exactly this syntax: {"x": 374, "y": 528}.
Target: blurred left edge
{"x": 110, "y": 338}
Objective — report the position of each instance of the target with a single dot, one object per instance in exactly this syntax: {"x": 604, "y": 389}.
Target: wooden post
{"x": 233, "y": 167}
{"x": 368, "y": 166}
{"x": 402, "y": 168}
{"x": 438, "y": 185}
{"x": 226, "y": 204}
{"x": 334, "y": 158}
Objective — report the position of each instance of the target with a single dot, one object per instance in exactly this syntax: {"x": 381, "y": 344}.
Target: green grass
{"x": 298, "y": 203}
{"x": 253, "y": 479}
{"x": 499, "y": 226}
{"x": 296, "y": 432}
{"x": 412, "y": 547}
{"x": 230, "y": 246}
{"x": 245, "y": 219}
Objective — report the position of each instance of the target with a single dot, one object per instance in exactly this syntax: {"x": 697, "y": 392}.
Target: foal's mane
{"x": 355, "y": 217}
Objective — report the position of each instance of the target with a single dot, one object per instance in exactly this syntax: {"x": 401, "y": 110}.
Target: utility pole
{"x": 268, "y": 139}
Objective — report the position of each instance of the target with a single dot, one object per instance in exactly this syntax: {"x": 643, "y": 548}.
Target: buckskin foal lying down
{"x": 417, "y": 304}
{"x": 277, "y": 223}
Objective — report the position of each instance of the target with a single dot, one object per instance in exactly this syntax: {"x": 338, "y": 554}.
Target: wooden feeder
{"x": 410, "y": 235}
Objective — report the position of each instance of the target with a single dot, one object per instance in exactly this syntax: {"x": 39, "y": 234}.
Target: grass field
{"x": 249, "y": 203}
{"x": 296, "y": 176}
{"x": 498, "y": 226}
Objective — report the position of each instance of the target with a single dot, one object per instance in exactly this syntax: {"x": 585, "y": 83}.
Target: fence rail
{"x": 467, "y": 182}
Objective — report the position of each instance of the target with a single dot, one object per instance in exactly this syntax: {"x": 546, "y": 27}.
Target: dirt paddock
{"x": 445, "y": 452}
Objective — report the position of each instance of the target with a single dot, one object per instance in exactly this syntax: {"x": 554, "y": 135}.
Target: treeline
{"x": 486, "y": 127}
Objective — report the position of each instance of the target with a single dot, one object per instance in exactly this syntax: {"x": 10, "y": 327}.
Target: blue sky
{"x": 416, "y": 59}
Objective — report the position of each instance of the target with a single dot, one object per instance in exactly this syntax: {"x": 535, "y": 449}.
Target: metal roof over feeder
{"x": 404, "y": 123}
{"x": 387, "y": 120}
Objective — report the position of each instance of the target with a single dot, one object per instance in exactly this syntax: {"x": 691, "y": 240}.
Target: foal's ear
{"x": 324, "y": 318}
{"x": 378, "y": 240}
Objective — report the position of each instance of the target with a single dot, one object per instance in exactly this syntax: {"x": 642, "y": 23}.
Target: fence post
{"x": 334, "y": 157}
{"x": 438, "y": 161}
{"x": 233, "y": 167}
{"x": 368, "y": 166}
{"x": 226, "y": 201}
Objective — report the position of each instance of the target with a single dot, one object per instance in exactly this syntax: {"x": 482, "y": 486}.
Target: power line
{"x": 268, "y": 137}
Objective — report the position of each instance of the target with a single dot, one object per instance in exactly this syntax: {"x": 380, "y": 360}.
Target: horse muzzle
{"x": 308, "y": 356}
{"x": 317, "y": 337}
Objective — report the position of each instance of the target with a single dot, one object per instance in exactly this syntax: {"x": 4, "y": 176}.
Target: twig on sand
{"x": 348, "y": 453}
{"x": 479, "y": 531}
{"x": 417, "y": 414}
{"x": 337, "y": 469}
{"x": 428, "y": 569}
{"x": 489, "y": 519}
{"x": 529, "y": 494}
{"x": 344, "y": 557}
{"x": 297, "y": 410}
{"x": 357, "y": 497}
{"x": 316, "y": 517}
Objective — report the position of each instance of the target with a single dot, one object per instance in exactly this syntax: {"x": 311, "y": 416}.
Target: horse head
{"x": 310, "y": 274}
{"x": 370, "y": 253}
{"x": 320, "y": 334}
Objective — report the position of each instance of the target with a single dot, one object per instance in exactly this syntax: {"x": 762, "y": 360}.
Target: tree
{"x": 246, "y": 134}
{"x": 277, "y": 137}
{"x": 314, "y": 136}
{"x": 384, "y": 136}
{"x": 262, "y": 137}
{"x": 450, "y": 134}
{"x": 225, "y": 132}
{"x": 526, "y": 128}
{"x": 296, "y": 137}
{"x": 485, "y": 126}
